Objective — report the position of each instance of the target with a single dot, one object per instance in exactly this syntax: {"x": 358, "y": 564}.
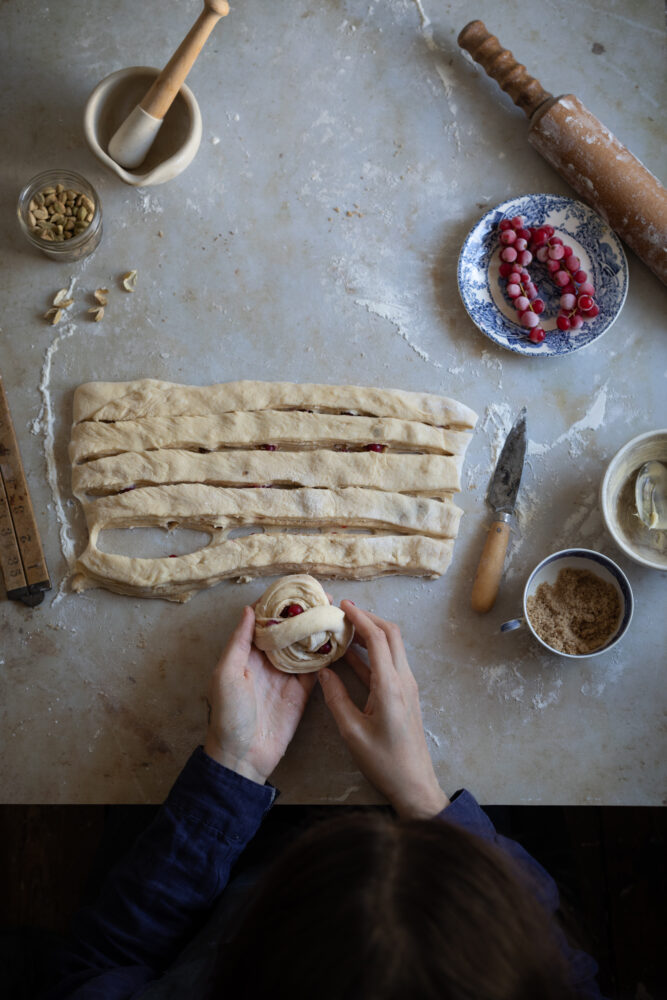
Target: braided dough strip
{"x": 349, "y": 557}
{"x": 94, "y": 439}
{"x": 419, "y": 474}
{"x": 202, "y": 507}
{"x": 293, "y": 644}
{"x": 151, "y": 397}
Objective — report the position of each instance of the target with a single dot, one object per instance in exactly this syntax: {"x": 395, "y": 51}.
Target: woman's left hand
{"x": 254, "y": 709}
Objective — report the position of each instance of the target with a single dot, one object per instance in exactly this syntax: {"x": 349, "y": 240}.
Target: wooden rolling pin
{"x": 600, "y": 169}
{"x": 130, "y": 143}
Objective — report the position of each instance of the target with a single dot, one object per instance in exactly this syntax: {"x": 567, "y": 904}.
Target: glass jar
{"x": 60, "y": 246}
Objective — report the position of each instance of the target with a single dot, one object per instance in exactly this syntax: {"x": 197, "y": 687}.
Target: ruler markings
{"x": 21, "y": 555}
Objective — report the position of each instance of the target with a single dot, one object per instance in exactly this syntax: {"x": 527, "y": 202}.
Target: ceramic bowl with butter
{"x": 632, "y": 496}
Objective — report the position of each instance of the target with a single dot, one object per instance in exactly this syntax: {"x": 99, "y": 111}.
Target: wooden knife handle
{"x": 526, "y": 92}
{"x": 490, "y": 569}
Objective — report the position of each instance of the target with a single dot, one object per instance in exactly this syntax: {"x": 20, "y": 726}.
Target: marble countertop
{"x": 348, "y": 148}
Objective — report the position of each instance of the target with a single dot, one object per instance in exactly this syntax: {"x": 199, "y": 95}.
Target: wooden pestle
{"x": 600, "y": 169}
{"x": 130, "y": 143}
{"x": 161, "y": 96}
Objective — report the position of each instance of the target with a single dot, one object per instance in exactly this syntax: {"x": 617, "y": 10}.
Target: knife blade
{"x": 501, "y": 497}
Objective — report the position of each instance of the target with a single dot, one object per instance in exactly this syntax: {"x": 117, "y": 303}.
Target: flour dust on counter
{"x": 346, "y": 482}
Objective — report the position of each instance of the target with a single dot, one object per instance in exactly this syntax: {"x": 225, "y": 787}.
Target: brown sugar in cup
{"x": 577, "y": 603}
{"x": 577, "y": 614}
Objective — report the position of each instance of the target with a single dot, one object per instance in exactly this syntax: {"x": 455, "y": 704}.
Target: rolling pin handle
{"x": 499, "y": 63}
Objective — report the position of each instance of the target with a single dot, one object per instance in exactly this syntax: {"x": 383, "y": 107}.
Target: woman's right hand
{"x": 387, "y": 738}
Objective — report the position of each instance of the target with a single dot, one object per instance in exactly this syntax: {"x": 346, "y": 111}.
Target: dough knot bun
{"x": 305, "y": 642}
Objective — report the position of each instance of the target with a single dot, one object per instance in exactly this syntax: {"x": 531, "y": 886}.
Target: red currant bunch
{"x": 520, "y": 244}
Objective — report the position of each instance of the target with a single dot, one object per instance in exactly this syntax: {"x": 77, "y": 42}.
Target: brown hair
{"x": 364, "y": 908}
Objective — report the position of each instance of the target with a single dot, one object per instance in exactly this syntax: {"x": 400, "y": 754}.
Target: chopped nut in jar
{"x": 56, "y": 214}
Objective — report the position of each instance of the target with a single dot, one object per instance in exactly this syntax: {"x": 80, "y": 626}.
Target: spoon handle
{"x": 160, "y": 97}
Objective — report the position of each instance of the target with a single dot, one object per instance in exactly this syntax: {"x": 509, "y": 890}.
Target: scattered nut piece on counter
{"x": 97, "y": 312}
{"x": 60, "y": 299}
{"x": 101, "y": 295}
{"x": 56, "y": 214}
{"x": 55, "y": 315}
{"x": 129, "y": 281}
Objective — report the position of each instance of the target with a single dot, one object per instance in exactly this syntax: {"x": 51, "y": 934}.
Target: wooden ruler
{"x": 21, "y": 554}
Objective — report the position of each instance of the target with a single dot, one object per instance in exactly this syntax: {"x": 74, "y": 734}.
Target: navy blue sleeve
{"x": 464, "y": 811}
{"x": 154, "y": 899}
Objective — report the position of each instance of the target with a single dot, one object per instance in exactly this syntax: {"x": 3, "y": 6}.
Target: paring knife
{"x": 501, "y": 497}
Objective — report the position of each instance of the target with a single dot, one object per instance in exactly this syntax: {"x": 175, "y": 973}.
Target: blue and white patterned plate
{"x": 483, "y": 291}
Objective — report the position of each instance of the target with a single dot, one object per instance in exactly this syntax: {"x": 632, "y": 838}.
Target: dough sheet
{"x": 340, "y": 481}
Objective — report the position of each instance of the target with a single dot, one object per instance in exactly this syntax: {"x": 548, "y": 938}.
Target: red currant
{"x": 508, "y": 254}
{"x": 537, "y": 335}
{"x": 528, "y": 319}
{"x": 291, "y": 611}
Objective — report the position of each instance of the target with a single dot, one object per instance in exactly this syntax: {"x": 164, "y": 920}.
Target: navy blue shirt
{"x": 163, "y": 891}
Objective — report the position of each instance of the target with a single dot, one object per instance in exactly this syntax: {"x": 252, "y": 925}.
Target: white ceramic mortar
{"x": 176, "y": 143}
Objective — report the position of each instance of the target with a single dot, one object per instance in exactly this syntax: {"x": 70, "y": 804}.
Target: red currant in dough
{"x": 326, "y": 648}
{"x": 291, "y": 611}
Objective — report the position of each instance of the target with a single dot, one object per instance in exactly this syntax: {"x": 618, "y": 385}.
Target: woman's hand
{"x": 254, "y": 709}
{"x": 387, "y": 739}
